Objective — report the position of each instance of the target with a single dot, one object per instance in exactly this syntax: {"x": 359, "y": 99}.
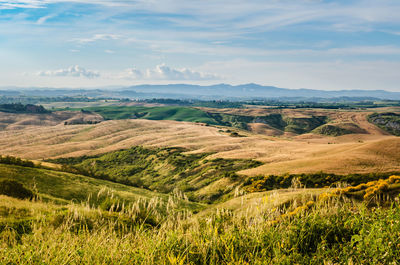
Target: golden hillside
{"x": 373, "y": 151}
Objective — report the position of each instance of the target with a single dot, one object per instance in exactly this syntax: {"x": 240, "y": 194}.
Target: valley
{"x": 147, "y": 176}
{"x": 345, "y": 138}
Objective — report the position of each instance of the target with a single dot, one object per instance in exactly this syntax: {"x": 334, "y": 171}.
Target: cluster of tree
{"x": 22, "y": 108}
{"x": 338, "y": 103}
{"x": 387, "y": 121}
{"x": 335, "y": 103}
{"x": 195, "y": 103}
{"x": 15, "y": 189}
{"x": 11, "y": 160}
{"x": 313, "y": 180}
{"x": 91, "y": 172}
{"x": 22, "y": 99}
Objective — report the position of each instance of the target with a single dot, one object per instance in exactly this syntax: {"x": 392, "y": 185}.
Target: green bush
{"x": 310, "y": 180}
{"x": 11, "y": 160}
{"x": 15, "y": 189}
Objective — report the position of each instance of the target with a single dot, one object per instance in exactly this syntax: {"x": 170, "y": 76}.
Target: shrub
{"x": 15, "y": 189}
{"x": 11, "y": 160}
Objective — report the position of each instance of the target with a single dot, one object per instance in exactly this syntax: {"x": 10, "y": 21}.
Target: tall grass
{"x": 336, "y": 230}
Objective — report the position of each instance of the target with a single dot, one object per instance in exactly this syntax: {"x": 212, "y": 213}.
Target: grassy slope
{"x": 154, "y": 113}
{"x": 164, "y": 169}
{"x": 309, "y": 230}
{"x": 64, "y": 187}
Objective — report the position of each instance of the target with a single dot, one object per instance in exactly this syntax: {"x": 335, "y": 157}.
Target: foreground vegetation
{"x": 54, "y": 217}
{"x": 62, "y": 188}
{"x": 304, "y": 230}
{"x": 311, "y": 180}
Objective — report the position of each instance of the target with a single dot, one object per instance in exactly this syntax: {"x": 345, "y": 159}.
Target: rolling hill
{"x": 164, "y": 170}
{"x": 63, "y": 188}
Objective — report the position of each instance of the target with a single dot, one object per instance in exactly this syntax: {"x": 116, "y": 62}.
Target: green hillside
{"x": 62, "y": 187}
{"x": 338, "y": 129}
{"x": 153, "y": 113}
{"x": 296, "y": 226}
{"x": 164, "y": 169}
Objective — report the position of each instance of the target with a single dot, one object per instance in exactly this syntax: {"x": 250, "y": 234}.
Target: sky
{"x": 316, "y": 44}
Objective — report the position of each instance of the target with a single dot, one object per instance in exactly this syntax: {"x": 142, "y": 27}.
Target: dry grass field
{"x": 45, "y": 136}
{"x": 12, "y": 121}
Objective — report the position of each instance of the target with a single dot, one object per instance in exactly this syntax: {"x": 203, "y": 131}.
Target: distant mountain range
{"x": 211, "y": 92}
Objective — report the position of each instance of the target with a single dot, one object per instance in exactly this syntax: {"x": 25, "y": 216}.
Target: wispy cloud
{"x": 244, "y": 14}
{"x": 97, "y": 37}
{"x": 43, "y": 19}
{"x": 73, "y": 71}
{"x": 11, "y": 4}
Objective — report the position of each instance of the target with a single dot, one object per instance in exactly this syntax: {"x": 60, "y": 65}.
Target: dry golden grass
{"x": 374, "y": 151}
{"x": 11, "y": 121}
{"x": 257, "y": 204}
{"x": 265, "y": 129}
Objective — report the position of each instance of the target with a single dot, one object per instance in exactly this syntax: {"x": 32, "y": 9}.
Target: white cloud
{"x": 164, "y": 72}
{"x": 73, "y": 71}
{"x": 131, "y": 73}
{"x": 160, "y": 72}
{"x": 97, "y": 37}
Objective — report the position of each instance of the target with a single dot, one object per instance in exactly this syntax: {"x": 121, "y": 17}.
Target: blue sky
{"x": 296, "y": 44}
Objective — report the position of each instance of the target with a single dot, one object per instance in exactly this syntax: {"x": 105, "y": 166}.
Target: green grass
{"x": 153, "y": 113}
{"x": 338, "y": 129}
{"x": 338, "y": 231}
{"x": 64, "y": 187}
{"x": 135, "y": 226}
{"x": 303, "y": 125}
{"x": 165, "y": 169}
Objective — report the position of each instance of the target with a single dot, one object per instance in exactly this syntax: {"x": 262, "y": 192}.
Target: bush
{"x": 11, "y": 160}
{"x": 15, "y": 189}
